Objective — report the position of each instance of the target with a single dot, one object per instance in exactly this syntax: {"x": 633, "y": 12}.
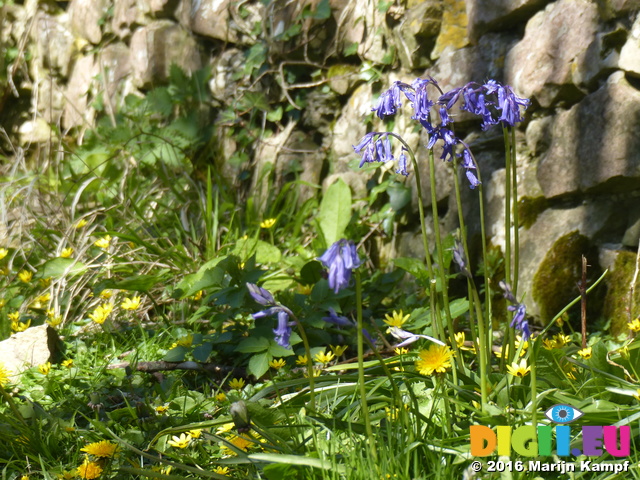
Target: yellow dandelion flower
{"x": 634, "y": 326}
{"x": 519, "y": 369}
{"x": 397, "y": 319}
{"x": 236, "y": 383}
{"x": 4, "y": 375}
{"x": 162, "y": 409}
{"x": 268, "y": 223}
{"x": 277, "y": 363}
{"x": 437, "y": 358}
{"x": 338, "y": 349}
{"x": 103, "y": 449}
{"x": 89, "y": 470}
{"x": 240, "y": 443}
{"x": 25, "y": 276}
{"x": 221, "y": 470}
{"x": 103, "y": 242}
{"x": 301, "y": 360}
{"x": 131, "y": 303}
{"x": 67, "y": 363}
{"x": 220, "y": 397}
{"x": 14, "y": 316}
{"x": 585, "y": 352}
{"x": 182, "y": 441}
{"x": 3, "y": 253}
{"x": 195, "y": 433}
{"x": 323, "y": 357}
{"x": 66, "y": 253}
{"x": 80, "y": 223}
{"x": 45, "y": 368}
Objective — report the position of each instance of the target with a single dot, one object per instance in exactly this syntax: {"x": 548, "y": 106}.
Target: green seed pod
{"x": 240, "y": 416}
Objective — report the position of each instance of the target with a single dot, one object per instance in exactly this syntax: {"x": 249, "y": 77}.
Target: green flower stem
{"x": 485, "y": 355}
{"x": 534, "y": 385}
{"x": 508, "y": 278}
{"x": 307, "y": 350}
{"x": 516, "y": 220}
{"x": 361, "y": 384}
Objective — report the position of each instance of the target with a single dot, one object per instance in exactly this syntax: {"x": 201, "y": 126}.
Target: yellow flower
{"x": 338, "y": 349}
{"x": 185, "y": 341}
{"x": 324, "y": 358}
{"x": 437, "y": 358}
{"x": 634, "y": 326}
{"x": 561, "y": 340}
{"x": 106, "y": 294}
{"x": 195, "y": 433}
{"x": 236, "y": 383}
{"x": 104, "y": 449}
{"x": 161, "y": 409}
{"x": 66, "y": 253}
{"x": 131, "y": 303}
{"x": 45, "y": 282}
{"x": 316, "y": 372}
{"x": 182, "y": 441}
{"x": 25, "y": 276}
{"x": 14, "y": 316}
{"x": 637, "y": 395}
{"x": 548, "y": 344}
{"x": 227, "y": 427}
{"x": 89, "y": 470}
{"x": 268, "y": 223}
{"x": 24, "y": 477}
{"x": 20, "y": 326}
{"x": 395, "y": 320}
{"x": 585, "y": 353}
{"x": 220, "y": 397}
{"x": 519, "y": 369}
{"x": 198, "y": 295}
{"x": 54, "y": 320}
{"x": 68, "y": 363}
{"x": 67, "y": 475}
{"x": 3, "y": 302}
{"x": 277, "y": 364}
{"x": 401, "y": 351}
{"x": 238, "y": 442}
{"x": 305, "y": 289}
{"x": 45, "y": 368}
{"x": 301, "y": 360}
{"x": 221, "y": 470}
{"x": 101, "y": 313}
{"x": 103, "y": 242}
{"x": 3, "y": 253}
{"x": 4, "y": 375}
{"x": 81, "y": 223}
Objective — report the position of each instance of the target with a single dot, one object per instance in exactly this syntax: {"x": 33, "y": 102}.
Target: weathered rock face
{"x": 578, "y": 61}
{"x": 23, "y": 350}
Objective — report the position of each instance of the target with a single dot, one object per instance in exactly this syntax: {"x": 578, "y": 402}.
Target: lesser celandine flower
{"x": 4, "y": 375}
{"x": 561, "y": 340}
{"x": 3, "y": 253}
{"x": 436, "y": 359}
{"x": 103, "y": 242}
{"x": 80, "y": 223}
{"x": 338, "y": 349}
{"x": 341, "y": 258}
{"x": 19, "y": 326}
{"x": 101, "y": 313}
{"x": 131, "y": 303}
{"x": 195, "y": 433}
{"x": 181, "y": 441}
{"x": 237, "y": 383}
{"x": 519, "y": 369}
{"x": 66, "y": 252}
{"x": 220, "y": 397}
{"x": 301, "y": 360}
{"x": 397, "y": 319}
{"x": 67, "y": 363}
{"x": 323, "y": 357}
{"x": 277, "y": 363}
{"x": 25, "y": 276}
{"x": 240, "y": 443}
{"x": 103, "y": 449}
{"x": 268, "y": 223}
{"x": 634, "y": 325}
{"x": 585, "y": 352}
{"x": 45, "y": 368}
{"x": 221, "y": 470}
{"x": 162, "y": 409}
{"x": 14, "y": 316}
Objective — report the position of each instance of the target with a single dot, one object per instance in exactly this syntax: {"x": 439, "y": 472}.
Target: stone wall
{"x": 578, "y": 61}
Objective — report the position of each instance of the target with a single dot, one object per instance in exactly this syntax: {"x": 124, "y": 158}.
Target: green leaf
{"x": 259, "y": 364}
{"x": 201, "y": 352}
{"x": 253, "y": 345}
{"x": 59, "y": 267}
{"x": 296, "y": 460}
{"x": 176, "y": 354}
{"x": 323, "y": 10}
{"x": 413, "y": 266}
{"x": 278, "y": 351}
{"x": 335, "y": 211}
{"x": 207, "y": 276}
{"x": 137, "y": 283}
{"x": 264, "y": 252}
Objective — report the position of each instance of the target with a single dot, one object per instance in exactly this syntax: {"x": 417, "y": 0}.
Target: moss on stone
{"x": 529, "y": 209}
{"x": 617, "y": 301}
{"x": 555, "y": 282}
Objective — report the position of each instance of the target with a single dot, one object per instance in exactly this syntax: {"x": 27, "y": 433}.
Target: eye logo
{"x": 562, "y": 413}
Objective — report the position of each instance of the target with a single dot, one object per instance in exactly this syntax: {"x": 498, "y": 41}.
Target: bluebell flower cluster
{"x": 519, "y": 321}
{"x": 493, "y": 102}
{"x": 283, "y": 331}
{"x": 340, "y": 258}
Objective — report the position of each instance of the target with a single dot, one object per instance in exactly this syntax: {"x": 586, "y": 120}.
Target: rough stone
{"x": 350, "y": 127}
{"x": 557, "y": 43}
{"x": 113, "y": 62}
{"x": 453, "y": 29}
{"x": 155, "y": 47}
{"x": 416, "y": 33}
{"x": 87, "y": 16}
{"x": 594, "y": 145}
{"x": 630, "y": 53}
{"x": 54, "y": 42}
{"x": 492, "y": 15}
{"x": 23, "y": 350}
{"x": 127, "y": 15}
{"x": 77, "y": 111}
{"x": 35, "y": 131}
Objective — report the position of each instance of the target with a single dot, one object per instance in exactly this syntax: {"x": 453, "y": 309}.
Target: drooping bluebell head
{"x": 340, "y": 258}
{"x": 263, "y": 297}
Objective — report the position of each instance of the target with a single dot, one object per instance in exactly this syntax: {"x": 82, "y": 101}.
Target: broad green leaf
{"x": 335, "y": 211}
{"x": 279, "y": 351}
{"x": 201, "y": 352}
{"x": 253, "y": 344}
{"x": 263, "y": 251}
{"x": 207, "y": 276}
{"x": 59, "y": 267}
{"x": 259, "y": 364}
{"x": 176, "y": 354}
{"x": 413, "y": 266}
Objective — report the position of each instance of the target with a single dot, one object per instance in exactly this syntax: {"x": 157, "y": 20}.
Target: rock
{"x": 594, "y": 146}
{"x": 87, "y": 16}
{"x": 622, "y": 301}
{"x": 155, "y": 47}
{"x": 23, "y": 350}
{"x": 114, "y": 64}
{"x": 127, "y": 15}
{"x": 301, "y": 158}
{"x": 557, "y": 43}
{"x": 453, "y": 29}
{"x": 35, "y": 131}
{"x": 630, "y": 53}
{"x": 223, "y": 69}
{"x": 77, "y": 111}
{"x": 494, "y": 15}
{"x": 350, "y": 126}
{"x": 54, "y": 42}
{"x": 416, "y": 33}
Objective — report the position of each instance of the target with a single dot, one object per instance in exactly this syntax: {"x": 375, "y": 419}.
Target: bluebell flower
{"x": 388, "y": 102}
{"x": 263, "y": 297}
{"x": 402, "y": 164}
{"x": 468, "y": 164}
{"x": 510, "y": 105}
{"x": 449, "y": 141}
{"x": 459, "y": 258}
{"x": 374, "y": 149}
{"x": 421, "y": 103}
{"x": 340, "y": 258}
{"x": 519, "y": 321}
